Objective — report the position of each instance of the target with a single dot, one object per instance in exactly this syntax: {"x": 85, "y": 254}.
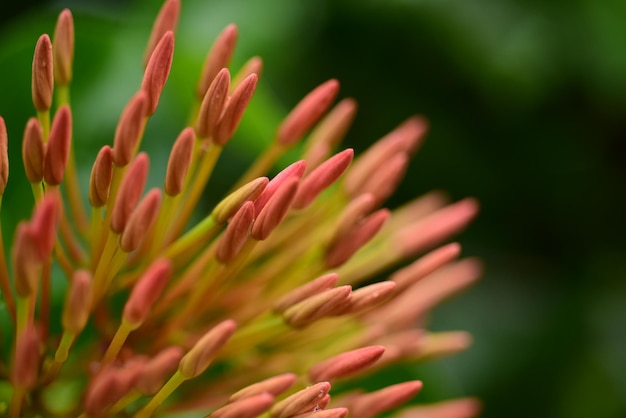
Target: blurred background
{"x": 527, "y": 105}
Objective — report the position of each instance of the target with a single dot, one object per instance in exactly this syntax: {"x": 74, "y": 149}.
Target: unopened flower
{"x": 257, "y": 309}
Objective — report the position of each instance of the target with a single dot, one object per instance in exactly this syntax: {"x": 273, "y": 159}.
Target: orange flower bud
{"x": 129, "y": 129}
{"x": 43, "y": 75}
{"x": 178, "y": 164}
{"x": 33, "y": 151}
{"x": 166, "y": 20}
{"x": 101, "y": 176}
{"x": 198, "y": 359}
{"x": 58, "y": 149}
{"x": 233, "y": 112}
{"x": 4, "y": 156}
{"x": 217, "y": 58}
{"x": 212, "y": 106}
{"x": 129, "y": 193}
{"x": 306, "y": 113}
{"x": 63, "y": 47}
{"x": 158, "y": 70}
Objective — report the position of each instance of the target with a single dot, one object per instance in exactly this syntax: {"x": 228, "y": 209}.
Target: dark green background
{"x": 527, "y": 104}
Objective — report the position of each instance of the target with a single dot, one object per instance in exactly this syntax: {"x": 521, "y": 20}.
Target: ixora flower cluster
{"x": 257, "y": 309}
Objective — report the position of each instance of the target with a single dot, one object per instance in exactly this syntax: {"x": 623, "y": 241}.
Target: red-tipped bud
{"x": 26, "y": 362}
{"x": 306, "y": 113}
{"x": 274, "y": 212}
{"x": 314, "y": 287}
{"x": 425, "y": 265}
{"x": 302, "y": 401}
{"x": 318, "y": 306}
{"x": 250, "y": 407}
{"x": 166, "y": 20}
{"x": 212, "y": 105}
{"x": 368, "y": 297}
{"x": 179, "y": 162}
{"x": 198, "y": 359}
{"x": 26, "y": 260}
{"x": 77, "y": 302}
{"x": 330, "y": 131}
{"x": 402, "y": 140}
{"x": 43, "y": 74}
{"x": 457, "y": 408}
{"x": 108, "y": 387}
{"x": 147, "y": 291}
{"x": 321, "y": 178}
{"x": 325, "y": 413}
{"x": 354, "y": 213}
{"x": 33, "y": 151}
{"x": 253, "y": 66}
{"x": 129, "y": 129}
{"x": 345, "y": 364}
{"x": 140, "y": 221}
{"x": 233, "y": 112}
{"x": 157, "y": 70}
{"x": 129, "y": 193}
{"x": 231, "y": 203}
{"x": 157, "y": 370}
{"x": 218, "y": 58}
{"x": 4, "y": 156}
{"x": 58, "y": 150}
{"x": 101, "y": 177}
{"x": 343, "y": 247}
{"x": 274, "y": 385}
{"x": 435, "y": 227}
{"x": 236, "y": 234}
{"x": 294, "y": 170}
{"x": 63, "y": 48}
{"x": 388, "y": 176}
{"x": 372, "y": 404}
{"x": 44, "y": 224}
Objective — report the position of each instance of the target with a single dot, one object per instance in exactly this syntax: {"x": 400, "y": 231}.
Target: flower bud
{"x": 43, "y": 75}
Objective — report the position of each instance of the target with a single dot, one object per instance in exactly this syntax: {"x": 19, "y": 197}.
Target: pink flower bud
{"x": 129, "y": 193}
{"x": 63, "y": 48}
{"x": 305, "y": 400}
{"x": 234, "y": 110}
{"x": 147, "y": 291}
{"x": 345, "y": 364}
{"x": 218, "y": 58}
{"x": 4, "y": 156}
{"x": 249, "y": 407}
{"x": 58, "y": 150}
{"x": 141, "y": 221}
{"x": 275, "y": 385}
{"x": 236, "y": 234}
{"x": 129, "y": 129}
{"x": 306, "y": 113}
{"x": 374, "y": 403}
{"x": 166, "y": 20}
{"x": 26, "y": 362}
{"x": 158, "y": 70}
{"x": 198, "y": 359}
{"x": 213, "y": 103}
{"x": 33, "y": 151}
{"x": 43, "y": 75}
{"x": 101, "y": 177}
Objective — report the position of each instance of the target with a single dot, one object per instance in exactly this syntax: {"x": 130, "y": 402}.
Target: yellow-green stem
{"x": 44, "y": 121}
{"x": 102, "y": 270}
{"x": 202, "y": 230}
{"x": 37, "y": 189}
{"x": 118, "y": 340}
{"x": 16, "y": 402}
{"x": 175, "y": 381}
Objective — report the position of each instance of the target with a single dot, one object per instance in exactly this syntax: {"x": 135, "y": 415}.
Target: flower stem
{"x": 175, "y": 381}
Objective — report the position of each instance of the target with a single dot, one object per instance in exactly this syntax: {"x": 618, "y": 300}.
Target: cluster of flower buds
{"x": 260, "y": 307}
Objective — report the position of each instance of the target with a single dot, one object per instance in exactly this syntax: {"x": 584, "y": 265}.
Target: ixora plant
{"x": 257, "y": 309}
